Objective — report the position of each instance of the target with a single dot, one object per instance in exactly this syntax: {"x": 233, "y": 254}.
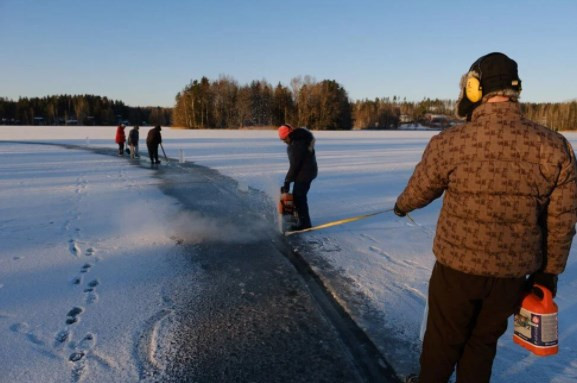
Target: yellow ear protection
{"x": 473, "y": 88}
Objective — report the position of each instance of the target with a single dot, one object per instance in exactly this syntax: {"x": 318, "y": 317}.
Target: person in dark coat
{"x": 302, "y": 170}
{"x": 133, "y": 137}
{"x": 153, "y": 139}
{"x": 120, "y": 139}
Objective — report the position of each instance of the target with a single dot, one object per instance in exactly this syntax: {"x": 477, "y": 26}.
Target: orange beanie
{"x": 284, "y": 131}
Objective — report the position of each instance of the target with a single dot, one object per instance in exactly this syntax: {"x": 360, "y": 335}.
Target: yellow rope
{"x": 335, "y": 223}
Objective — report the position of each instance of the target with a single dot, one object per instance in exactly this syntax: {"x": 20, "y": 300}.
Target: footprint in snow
{"x": 24, "y": 328}
{"x": 35, "y": 338}
{"x": 91, "y": 295}
{"x": 88, "y": 342}
{"x": 90, "y": 251}
{"x": 74, "y": 248}
{"x": 79, "y": 366}
{"x": 61, "y": 338}
{"x": 72, "y": 316}
{"x": 76, "y": 356}
{"x": 85, "y": 268}
{"x": 20, "y": 327}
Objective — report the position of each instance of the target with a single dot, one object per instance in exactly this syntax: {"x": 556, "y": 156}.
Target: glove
{"x": 398, "y": 211}
{"x": 544, "y": 279}
{"x": 285, "y": 188}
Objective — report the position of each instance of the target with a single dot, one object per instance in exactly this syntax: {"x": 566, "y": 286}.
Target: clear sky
{"x": 143, "y": 52}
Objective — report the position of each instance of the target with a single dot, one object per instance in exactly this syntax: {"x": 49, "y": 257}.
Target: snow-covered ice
{"x": 87, "y": 245}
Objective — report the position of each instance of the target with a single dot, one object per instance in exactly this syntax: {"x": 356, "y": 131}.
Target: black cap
{"x": 497, "y": 72}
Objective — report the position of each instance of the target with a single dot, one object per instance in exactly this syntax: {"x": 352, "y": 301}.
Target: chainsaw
{"x": 287, "y": 212}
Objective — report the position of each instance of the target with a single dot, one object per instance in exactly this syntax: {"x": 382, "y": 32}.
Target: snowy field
{"x": 87, "y": 247}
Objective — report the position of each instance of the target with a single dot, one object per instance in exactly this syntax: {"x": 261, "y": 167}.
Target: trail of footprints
{"x": 80, "y": 349}
{"x": 75, "y": 349}
{"x": 65, "y": 343}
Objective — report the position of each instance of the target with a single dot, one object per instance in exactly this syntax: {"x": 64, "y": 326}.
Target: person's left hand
{"x": 544, "y": 279}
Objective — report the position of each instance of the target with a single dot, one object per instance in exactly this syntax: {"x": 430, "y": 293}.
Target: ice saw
{"x": 287, "y": 214}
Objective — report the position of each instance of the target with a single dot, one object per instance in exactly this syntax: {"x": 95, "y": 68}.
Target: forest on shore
{"x": 225, "y": 104}
{"x": 79, "y": 110}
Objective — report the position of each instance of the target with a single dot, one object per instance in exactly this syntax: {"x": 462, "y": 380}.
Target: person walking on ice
{"x": 509, "y": 211}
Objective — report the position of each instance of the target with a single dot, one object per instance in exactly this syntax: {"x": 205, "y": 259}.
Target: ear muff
{"x": 473, "y": 89}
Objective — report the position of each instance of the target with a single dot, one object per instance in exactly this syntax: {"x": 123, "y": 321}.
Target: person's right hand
{"x": 398, "y": 211}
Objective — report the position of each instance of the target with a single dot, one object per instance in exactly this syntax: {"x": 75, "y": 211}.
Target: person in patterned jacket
{"x": 509, "y": 211}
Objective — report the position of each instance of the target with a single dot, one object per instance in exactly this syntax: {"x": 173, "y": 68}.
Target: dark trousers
{"x": 467, "y": 315}
{"x": 121, "y": 149}
{"x": 300, "y": 190}
{"x": 153, "y": 152}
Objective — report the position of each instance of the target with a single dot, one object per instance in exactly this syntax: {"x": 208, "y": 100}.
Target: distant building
{"x": 405, "y": 118}
{"x": 438, "y": 121}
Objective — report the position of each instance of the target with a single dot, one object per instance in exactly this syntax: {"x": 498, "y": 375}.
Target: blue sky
{"x": 144, "y": 52}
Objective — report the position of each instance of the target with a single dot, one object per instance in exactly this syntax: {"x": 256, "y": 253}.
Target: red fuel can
{"x": 536, "y": 323}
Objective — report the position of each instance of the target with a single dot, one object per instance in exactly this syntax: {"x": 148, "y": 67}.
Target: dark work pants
{"x": 300, "y": 190}
{"x": 467, "y": 315}
{"x": 153, "y": 152}
{"x": 121, "y": 149}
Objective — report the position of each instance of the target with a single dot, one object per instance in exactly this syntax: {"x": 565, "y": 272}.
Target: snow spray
{"x": 536, "y": 327}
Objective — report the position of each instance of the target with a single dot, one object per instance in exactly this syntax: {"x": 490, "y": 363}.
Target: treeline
{"x": 557, "y": 116}
{"x": 222, "y": 104}
{"x": 324, "y": 105}
{"x": 79, "y": 110}
{"x": 389, "y": 113}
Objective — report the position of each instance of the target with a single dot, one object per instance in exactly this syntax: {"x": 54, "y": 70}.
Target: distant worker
{"x": 302, "y": 169}
{"x": 133, "y": 137}
{"x": 509, "y": 212}
{"x": 153, "y": 139}
{"x": 120, "y": 139}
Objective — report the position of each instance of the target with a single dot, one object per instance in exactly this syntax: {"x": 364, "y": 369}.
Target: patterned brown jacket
{"x": 510, "y": 203}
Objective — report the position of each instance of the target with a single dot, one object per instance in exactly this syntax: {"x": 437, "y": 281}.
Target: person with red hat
{"x": 302, "y": 169}
{"x": 509, "y": 212}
